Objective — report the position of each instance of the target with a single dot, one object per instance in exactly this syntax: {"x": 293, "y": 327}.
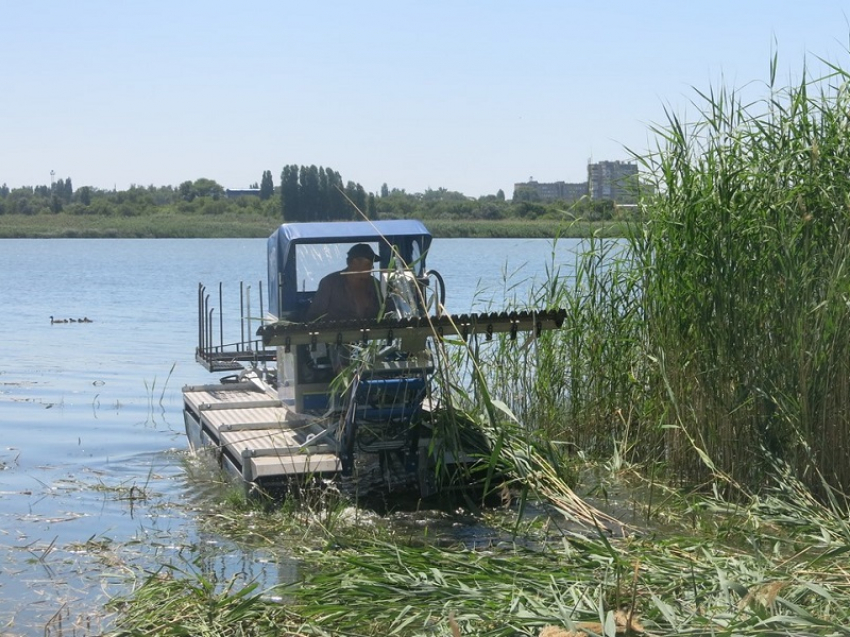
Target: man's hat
{"x": 363, "y": 251}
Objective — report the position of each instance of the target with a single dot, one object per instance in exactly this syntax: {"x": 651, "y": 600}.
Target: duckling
{"x": 86, "y": 319}
{"x": 72, "y": 320}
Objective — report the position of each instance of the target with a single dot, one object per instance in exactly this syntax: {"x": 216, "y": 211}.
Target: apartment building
{"x": 614, "y": 180}
{"x": 605, "y": 180}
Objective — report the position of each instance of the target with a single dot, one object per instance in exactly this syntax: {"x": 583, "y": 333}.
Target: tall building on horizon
{"x": 615, "y": 180}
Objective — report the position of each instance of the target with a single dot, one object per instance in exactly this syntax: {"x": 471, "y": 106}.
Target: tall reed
{"x": 578, "y": 385}
{"x": 744, "y": 264}
{"x": 718, "y": 328}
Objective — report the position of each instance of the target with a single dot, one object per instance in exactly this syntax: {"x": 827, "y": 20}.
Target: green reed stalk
{"x": 746, "y": 284}
{"x": 721, "y": 322}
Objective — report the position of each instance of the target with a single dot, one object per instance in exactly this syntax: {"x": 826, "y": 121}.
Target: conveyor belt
{"x": 286, "y": 334}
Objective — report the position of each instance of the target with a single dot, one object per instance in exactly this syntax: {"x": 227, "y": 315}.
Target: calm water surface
{"x": 91, "y": 413}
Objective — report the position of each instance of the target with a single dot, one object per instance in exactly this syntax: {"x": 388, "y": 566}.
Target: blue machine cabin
{"x": 299, "y": 255}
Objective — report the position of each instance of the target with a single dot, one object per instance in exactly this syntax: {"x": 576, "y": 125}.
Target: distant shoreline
{"x": 65, "y": 226}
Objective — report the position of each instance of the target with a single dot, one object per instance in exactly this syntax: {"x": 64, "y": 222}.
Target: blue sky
{"x": 470, "y": 96}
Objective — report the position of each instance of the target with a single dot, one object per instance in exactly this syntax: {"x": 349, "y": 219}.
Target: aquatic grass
{"x": 715, "y": 337}
{"x": 514, "y": 459}
{"x": 744, "y": 260}
{"x": 580, "y": 384}
{"x": 673, "y": 583}
{"x": 754, "y": 568}
{"x": 174, "y": 602}
{"x": 255, "y": 225}
{"x": 151, "y": 391}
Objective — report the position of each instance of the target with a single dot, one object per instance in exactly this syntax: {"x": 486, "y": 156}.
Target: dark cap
{"x": 363, "y": 251}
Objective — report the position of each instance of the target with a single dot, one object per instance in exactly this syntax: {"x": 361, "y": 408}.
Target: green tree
{"x": 357, "y": 196}
{"x": 186, "y": 191}
{"x": 203, "y": 187}
{"x": 311, "y": 193}
{"x": 323, "y": 211}
{"x": 310, "y": 196}
{"x": 22, "y": 202}
{"x": 208, "y": 188}
{"x": 266, "y": 186}
{"x": 339, "y": 207}
{"x": 290, "y": 201}
{"x": 371, "y": 206}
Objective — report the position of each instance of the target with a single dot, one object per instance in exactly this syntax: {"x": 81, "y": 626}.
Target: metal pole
{"x": 220, "y": 317}
{"x": 248, "y": 305}
{"x": 262, "y": 314}
{"x": 241, "y": 315}
{"x": 200, "y": 317}
{"x": 211, "y": 312}
{"x": 206, "y": 323}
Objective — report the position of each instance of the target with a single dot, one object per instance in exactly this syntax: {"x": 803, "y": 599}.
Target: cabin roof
{"x": 387, "y": 232}
{"x": 350, "y": 231}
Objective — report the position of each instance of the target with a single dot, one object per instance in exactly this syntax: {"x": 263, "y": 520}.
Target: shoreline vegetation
{"x": 204, "y": 209}
{"x": 174, "y": 226}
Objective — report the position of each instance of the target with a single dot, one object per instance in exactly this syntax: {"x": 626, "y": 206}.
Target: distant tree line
{"x": 305, "y": 193}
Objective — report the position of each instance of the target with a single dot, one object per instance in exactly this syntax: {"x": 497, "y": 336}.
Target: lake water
{"x": 93, "y": 486}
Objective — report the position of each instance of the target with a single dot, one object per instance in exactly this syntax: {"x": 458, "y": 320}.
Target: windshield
{"x": 316, "y": 260}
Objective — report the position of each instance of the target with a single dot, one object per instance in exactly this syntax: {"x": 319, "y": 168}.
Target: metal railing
{"x": 212, "y": 351}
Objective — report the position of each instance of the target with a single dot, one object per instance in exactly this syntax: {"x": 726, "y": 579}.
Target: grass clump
{"x": 173, "y": 602}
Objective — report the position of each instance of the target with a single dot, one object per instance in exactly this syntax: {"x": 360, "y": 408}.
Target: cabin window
{"x": 316, "y": 260}
{"x": 415, "y": 256}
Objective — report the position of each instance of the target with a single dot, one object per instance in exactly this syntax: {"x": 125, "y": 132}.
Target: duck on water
{"x": 85, "y": 319}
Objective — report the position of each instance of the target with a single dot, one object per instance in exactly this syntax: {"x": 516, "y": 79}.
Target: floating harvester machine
{"x": 289, "y": 414}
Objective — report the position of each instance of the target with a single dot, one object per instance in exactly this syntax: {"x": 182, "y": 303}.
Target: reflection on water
{"x": 94, "y": 491}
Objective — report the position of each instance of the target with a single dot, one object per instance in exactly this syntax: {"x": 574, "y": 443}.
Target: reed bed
{"x": 745, "y": 278}
{"x": 150, "y": 226}
{"x": 714, "y": 339}
{"x": 255, "y": 225}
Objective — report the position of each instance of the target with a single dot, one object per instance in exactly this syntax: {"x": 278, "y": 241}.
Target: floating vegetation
{"x": 773, "y": 565}
{"x": 152, "y": 389}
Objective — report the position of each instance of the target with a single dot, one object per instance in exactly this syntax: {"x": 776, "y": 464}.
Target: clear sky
{"x": 471, "y": 96}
